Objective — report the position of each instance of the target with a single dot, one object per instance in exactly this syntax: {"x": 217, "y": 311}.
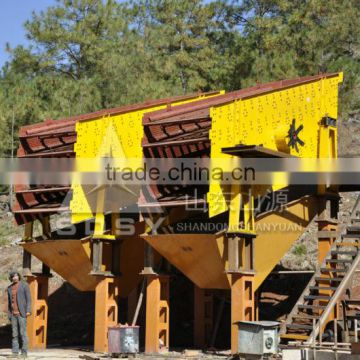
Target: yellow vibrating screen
{"x": 265, "y": 119}
{"x": 259, "y": 119}
{"x": 118, "y": 136}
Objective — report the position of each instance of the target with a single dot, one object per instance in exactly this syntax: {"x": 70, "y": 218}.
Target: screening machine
{"x": 233, "y": 250}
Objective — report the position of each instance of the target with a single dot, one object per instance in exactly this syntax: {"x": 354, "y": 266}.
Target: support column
{"x": 242, "y": 303}
{"x": 325, "y": 237}
{"x": 241, "y": 272}
{"x": 132, "y": 300}
{"x": 37, "y": 321}
{"x": 28, "y": 236}
{"x": 327, "y": 224}
{"x": 26, "y": 263}
{"x": 327, "y": 234}
{"x": 203, "y": 317}
{"x": 157, "y": 313}
{"x": 106, "y": 311}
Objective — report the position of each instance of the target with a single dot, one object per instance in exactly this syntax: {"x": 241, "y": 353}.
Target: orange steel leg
{"x": 203, "y": 317}
{"x": 37, "y": 321}
{"x": 242, "y": 303}
{"x": 157, "y": 313}
{"x": 106, "y": 311}
{"x": 325, "y": 241}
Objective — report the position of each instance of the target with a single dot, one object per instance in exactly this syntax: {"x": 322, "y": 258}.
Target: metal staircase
{"x": 324, "y": 291}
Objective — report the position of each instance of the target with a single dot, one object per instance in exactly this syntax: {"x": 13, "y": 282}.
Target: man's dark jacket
{"x": 23, "y": 299}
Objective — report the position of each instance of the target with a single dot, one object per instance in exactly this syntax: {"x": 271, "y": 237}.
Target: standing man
{"x": 19, "y": 305}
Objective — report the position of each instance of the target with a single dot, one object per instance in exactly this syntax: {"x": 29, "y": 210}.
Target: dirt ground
{"x": 57, "y": 354}
{"x": 54, "y": 354}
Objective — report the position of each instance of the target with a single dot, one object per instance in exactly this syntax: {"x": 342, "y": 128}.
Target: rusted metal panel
{"x": 235, "y": 95}
{"x": 56, "y": 138}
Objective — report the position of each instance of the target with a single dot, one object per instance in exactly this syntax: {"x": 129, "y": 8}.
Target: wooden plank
{"x": 294, "y": 337}
{"x": 326, "y": 234}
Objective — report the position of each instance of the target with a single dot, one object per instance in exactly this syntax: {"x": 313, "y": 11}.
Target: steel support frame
{"x": 241, "y": 271}
{"x": 203, "y": 317}
{"x": 37, "y": 321}
{"x": 242, "y": 303}
{"x": 107, "y": 290}
{"x": 157, "y": 313}
{"x": 241, "y": 258}
{"x": 39, "y": 290}
{"x": 327, "y": 224}
{"x": 28, "y": 237}
{"x": 106, "y": 311}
